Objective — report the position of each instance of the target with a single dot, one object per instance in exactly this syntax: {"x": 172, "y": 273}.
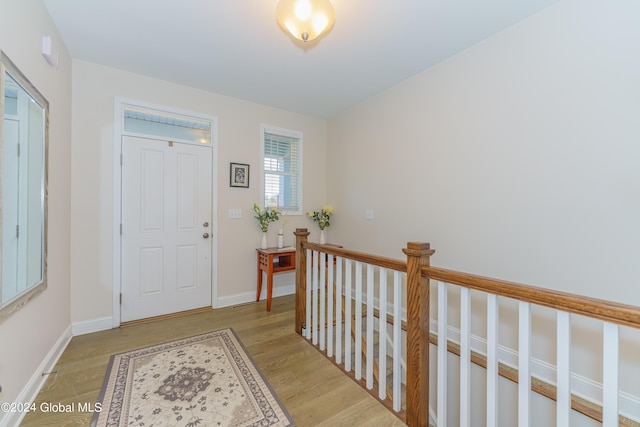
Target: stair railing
{"x": 361, "y": 285}
{"x": 565, "y": 308}
{"x": 337, "y": 289}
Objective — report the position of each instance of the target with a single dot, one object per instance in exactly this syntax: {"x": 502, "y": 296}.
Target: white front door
{"x": 166, "y": 227}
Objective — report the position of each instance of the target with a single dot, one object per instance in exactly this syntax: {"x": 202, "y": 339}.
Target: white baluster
{"x": 347, "y": 317}
{"x": 397, "y": 341}
{"x": 330, "y": 297}
{"x": 563, "y": 364}
{"x": 382, "y": 336}
{"x": 338, "y": 310}
{"x": 323, "y": 299}
{"x": 358, "y": 298}
{"x": 524, "y": 370}
{"x": 314, "y": 298}
{"x": 610, "y": 375}
{"x": 465, "y": 357}
{"x": 492, "y": 360}
{"x": 441, "y": 406}
{"x": 369, "y": 358}
{"x": 309, "y": 293}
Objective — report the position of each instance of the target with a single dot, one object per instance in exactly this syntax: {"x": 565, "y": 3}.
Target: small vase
{"x": 280, "y": 239}
{"x": 323, "y": 237}
{"x": 264, "y": 241}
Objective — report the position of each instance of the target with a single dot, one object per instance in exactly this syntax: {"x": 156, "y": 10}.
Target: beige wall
{"x": 517, "y": 159}
{"x": 94, "y": 90}
{"x": 27, "y": 336}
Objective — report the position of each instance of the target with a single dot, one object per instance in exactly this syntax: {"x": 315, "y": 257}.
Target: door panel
{"x": 151, "y": 279}
{"x": 166, "y": 202}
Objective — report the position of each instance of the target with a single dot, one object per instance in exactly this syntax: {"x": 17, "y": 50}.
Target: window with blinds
{"x": 282, "y": 163}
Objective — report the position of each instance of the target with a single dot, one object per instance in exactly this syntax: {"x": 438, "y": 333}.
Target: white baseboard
{"x": 246, "y": 297}
{"x": 105, "y": 323}
{"x": 37, "y": 380}
{"x": 586, "y": 388}
{"x": 89, "y": 326}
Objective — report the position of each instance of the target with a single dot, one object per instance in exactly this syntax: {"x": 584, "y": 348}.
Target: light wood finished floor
{"x": 314, "y": 391}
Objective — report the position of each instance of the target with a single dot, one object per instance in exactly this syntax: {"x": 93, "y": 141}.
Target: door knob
{"x": 205, "y": 235}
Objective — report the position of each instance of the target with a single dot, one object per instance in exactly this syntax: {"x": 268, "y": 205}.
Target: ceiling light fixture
{"x": 305, "y": 19}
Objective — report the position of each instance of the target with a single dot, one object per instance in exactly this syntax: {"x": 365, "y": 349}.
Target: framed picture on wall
{"x": 239, "y": 175}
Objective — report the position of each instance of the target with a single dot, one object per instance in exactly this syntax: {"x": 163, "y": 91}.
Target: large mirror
{"x": 23, "y": 193}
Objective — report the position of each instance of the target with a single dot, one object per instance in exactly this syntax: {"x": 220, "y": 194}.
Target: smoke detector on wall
{"x": 49, "y": 51}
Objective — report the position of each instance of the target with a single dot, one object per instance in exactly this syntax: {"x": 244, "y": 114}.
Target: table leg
{"x": 259, "y": 282}
{"x": 269, "y": 286}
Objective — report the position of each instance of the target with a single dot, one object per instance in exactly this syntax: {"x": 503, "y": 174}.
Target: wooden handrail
{"x": 379, "y": 261}
{"x": 607, "y": 311}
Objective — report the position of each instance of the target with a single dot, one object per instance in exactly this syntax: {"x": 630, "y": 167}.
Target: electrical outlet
{"x": 368, "y": 214}
{"x": 235, "y": 213}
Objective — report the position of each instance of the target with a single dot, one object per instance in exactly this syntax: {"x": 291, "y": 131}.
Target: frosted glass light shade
{"x": 305, "y": 19}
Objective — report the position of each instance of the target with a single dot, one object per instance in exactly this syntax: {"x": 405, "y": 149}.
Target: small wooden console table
{"x": 273, "y": 260}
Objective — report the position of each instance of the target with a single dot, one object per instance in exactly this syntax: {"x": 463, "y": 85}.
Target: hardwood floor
{"x": 314, "y": 391}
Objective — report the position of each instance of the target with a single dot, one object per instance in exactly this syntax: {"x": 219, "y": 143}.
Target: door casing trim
{"x": 118, "y": 133}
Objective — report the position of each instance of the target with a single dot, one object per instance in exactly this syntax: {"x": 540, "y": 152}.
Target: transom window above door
{"x": 148, "y": 121}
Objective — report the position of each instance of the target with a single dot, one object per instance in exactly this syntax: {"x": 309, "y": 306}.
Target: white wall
{"x": 517, "y": 158}
{"x": 94, "y": 89}
{"x": 29, "y": 334}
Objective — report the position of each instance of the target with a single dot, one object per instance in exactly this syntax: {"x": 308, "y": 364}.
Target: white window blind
{"x": 282, "y": 170}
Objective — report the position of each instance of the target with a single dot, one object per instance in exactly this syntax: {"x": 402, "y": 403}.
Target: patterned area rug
{"x": 201, "y": 381}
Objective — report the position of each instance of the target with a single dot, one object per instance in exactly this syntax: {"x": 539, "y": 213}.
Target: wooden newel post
{"x": 417, "y": 334}
{"x": 301, "y": 278}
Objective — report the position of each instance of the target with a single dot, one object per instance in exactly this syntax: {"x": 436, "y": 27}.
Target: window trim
{"x": 264, "y": 129}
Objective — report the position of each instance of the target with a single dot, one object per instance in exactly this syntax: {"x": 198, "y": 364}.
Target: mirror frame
{"x": 7, "y": 66}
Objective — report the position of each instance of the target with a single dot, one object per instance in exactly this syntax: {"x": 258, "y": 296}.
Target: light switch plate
{"x": 235, "y": 213}
{"x": 368, "y": 214}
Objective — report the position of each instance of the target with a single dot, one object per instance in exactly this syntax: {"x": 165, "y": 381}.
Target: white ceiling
{"x": 236, "y": 48}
